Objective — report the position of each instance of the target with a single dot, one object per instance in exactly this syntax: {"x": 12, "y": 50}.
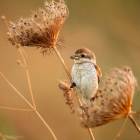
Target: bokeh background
{"x": 111, "y": 28}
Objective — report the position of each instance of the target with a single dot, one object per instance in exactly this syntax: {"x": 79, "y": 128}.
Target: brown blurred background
{"x": 111, "y": 28}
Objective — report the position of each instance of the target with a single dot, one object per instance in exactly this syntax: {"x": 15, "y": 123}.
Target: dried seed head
{"x": 68, "y": 94}
{"x": 42, "y": 28}
{"x": 114, "y": 98}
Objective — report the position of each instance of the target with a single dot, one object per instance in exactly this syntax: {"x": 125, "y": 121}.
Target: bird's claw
{"x": 73, "y": 84}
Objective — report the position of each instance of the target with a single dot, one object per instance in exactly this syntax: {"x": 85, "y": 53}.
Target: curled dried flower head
{"x": 114, "y": 98}
{"x": 42, "y": 28}
{"x": 68, "y": 94}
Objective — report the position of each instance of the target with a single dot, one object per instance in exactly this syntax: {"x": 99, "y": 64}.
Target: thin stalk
{"x": 137, "y": 113}
{"x": 89, "y": 129}
{"x": 46, "y": 124}
{"x": 121, "y": 129}
{"x": 12, "y": 137}
{"x": 14, "y": 109}
{"x": 30, "y": 87}
{"x": 69, "y": 76}
{"x": 30, "y": 105}
{"x": 63, "y": 62}
{"x": 32, "y": 95}
{"x": 15, "y": 89}
{"x": 134, "y": 123}
{"x": 91, "y": 134}
{"x": 27, "y": 76}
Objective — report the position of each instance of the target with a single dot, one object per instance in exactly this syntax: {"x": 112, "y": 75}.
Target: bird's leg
{"x": 98, "y": 93}
{"x": 73, "y": 85}
{"x": 93, "y": 98}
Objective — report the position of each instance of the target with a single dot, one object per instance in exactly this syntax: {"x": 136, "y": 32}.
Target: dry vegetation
{"x": 115, "y": 95}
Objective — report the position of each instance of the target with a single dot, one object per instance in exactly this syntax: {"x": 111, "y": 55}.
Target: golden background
{"x": 111, "y": 28}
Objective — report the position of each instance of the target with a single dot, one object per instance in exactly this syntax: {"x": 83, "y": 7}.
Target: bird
{"x": 85, "y": 74}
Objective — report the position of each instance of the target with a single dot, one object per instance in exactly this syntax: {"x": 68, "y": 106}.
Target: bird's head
{"x": 83, "y": 55}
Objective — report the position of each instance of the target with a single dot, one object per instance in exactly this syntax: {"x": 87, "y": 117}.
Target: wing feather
{"x": 99, "y": 72}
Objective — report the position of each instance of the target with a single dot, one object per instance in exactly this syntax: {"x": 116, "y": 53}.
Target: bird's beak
{"x": 75, "y": 57}
{"x": 72, "y": 57}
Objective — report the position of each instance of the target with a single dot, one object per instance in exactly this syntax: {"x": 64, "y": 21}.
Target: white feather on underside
{"x": 86, "y": 80}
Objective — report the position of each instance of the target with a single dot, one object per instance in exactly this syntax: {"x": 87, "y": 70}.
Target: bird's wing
{"x": 99, "y": 73}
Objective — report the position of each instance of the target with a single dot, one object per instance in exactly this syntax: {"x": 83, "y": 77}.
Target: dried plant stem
{"x": 134, "y": 123}
{"x": 135, "y": 113}
{"x": 12, "y": 137}
{"x": 121, "y": 129}
{"x": 63, "y": 62}
{"x": 14, "y": 108}
{"x": 46, "y": 124}
{"x": 89, "y": 129}
{"x": 31, "y": 93}
{"x": 69, "y": 76}
{"x": 16, "y": 91}
{"x": 91, "y": 134}
{"x": 30, "y": 105}
{"x": 5, "y": 137}
{"x": 27, "y": 75}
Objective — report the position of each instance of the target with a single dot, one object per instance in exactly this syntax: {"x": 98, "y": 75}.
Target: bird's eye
{"x": 82, "y": 55}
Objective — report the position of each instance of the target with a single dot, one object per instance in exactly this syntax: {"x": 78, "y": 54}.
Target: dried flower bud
{"x": 64, "y": 86}
{"x": 42, "y": 28}
{"x": 3, "y": 17}
{"x": 68, "y": 94}
{"x": 114, "y": 98}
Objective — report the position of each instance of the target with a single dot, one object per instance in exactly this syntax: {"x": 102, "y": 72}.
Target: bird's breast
{"x": 85, "y": 77}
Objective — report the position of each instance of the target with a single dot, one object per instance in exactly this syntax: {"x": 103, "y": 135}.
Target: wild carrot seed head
{"x": 42, "y": 28}
{"x": 114, "y": 98}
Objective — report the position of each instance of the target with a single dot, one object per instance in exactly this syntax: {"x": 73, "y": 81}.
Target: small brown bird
{"x": 85, "y": 74}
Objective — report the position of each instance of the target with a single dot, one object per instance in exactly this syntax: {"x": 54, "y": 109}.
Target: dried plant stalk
{"x": 7, "y": 137}
{"x": 62, "y": 62}
{"x": 15, "y": 89}
{"x": 15, "y": 108}
{"x": 121, "y": 129}
{"x": 32, "y": 96}
{"x": 30, "y": 105}
{"x": 69, "y": 101}
{"x": 27, "y": 75}
{"x": 134, "y": 123}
